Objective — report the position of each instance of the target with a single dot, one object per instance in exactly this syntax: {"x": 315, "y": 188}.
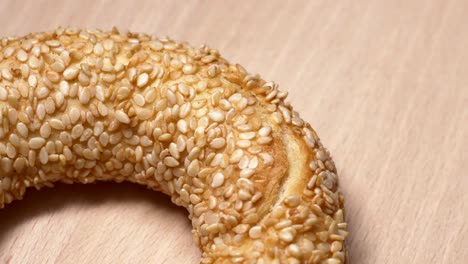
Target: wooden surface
{"x": 385, "y": 84}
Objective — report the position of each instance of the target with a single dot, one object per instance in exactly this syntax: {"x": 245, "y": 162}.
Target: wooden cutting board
{"x": 385, "y": 83}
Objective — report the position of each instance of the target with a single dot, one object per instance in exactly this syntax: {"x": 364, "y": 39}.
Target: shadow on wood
{"x": 117, "y": 215}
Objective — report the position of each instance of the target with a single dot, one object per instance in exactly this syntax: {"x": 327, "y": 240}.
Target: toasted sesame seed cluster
{"x": 87, "y": 105}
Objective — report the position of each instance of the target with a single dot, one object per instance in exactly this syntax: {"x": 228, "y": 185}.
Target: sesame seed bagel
{"x": 79, "y": 106}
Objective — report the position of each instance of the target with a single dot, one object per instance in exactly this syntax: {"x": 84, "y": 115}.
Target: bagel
{"x": 80, "y": 106}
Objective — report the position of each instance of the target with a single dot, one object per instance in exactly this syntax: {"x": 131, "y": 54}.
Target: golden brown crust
{"x": 81, "y": 106}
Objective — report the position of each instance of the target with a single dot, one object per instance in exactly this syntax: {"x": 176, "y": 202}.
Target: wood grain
{"x": 383, "y": 82}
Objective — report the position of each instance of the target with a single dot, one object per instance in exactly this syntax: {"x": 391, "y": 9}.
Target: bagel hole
{"x": 93, "y": 223}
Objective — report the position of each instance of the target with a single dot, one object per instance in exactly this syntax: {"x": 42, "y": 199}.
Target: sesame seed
{"x": 104, "y": 139}
{"x": 43, "y": 156}
{"x": 264, "y": 140}
{"x": 42, "y": 92}
{"x": 36, "y": 142}
{"x": 70, "y": 73}
{"x": 57, "y": 66}
{"x": 333, "y": 261}
{"x": 193, "y": 168}
{"x": 218, "y": 180}
{"x": 184, "y": 110}
{"x": 45, "y": 130}
{"x": 253, "y": 164}
{"x": 102, "y": 109}
{"x": 3, "y": 94}
{"x": 56, "y": 124}
{"x": 98, "y": 49}
{"x": 244, "y": 162}
{"x": 156, "y": 45}
{"x": 108, "y": 44}
{"x": 100, "y": 93}
{"x": 142, "y": 80}
{"x": 6, "y": 167}
{"x": 244, "y": 195}
{"x": 144, "y": 114}
{"x": 74, "y": 114}
{"x": 236, "y": 156}
{"x": 173, "y": 150}
{"x": 243, "y": 143}
{"x": 292, "y": 201}
{"x": 294, "y": 250}
{"x": 255, "y": 232}
{"x": 77, "y": 131}
{"x": 336, "y": 246}
{"x": 14, "y": 139}
{"x": 10, "y": 150}
{"x": 321, "y": 155}
{"x": 34, "y": 62}
{"x": 188, "y": 69}
{"x": 84, "y": 96}
{"x": 197, "y": 104}
{"x": 21, "y": 55}
{"x": 194, "y": 199}
{"x": 6, "y": 74}
{"x": 217, "y": 116}
{"x": 22, "y": 130}
{"x": 218, "y": 143}
{"x": 122, "y": 117}
{"x": 182, "y": 126}
{"x": 265, "y": 131}
{"x": 193, "y": 154}
{"x": 241, "y": 229}
{"x": 139, "y": 99}
{"x": 19, "y": 165}
{"x": 246, "y": 173}
{"x": 247, "y": 135}
{"x": 8, "y": 52}
{"x": 123, "y": 92}
{"x": 171, "y": 162}
{"x": 52, "y": 43}
{"x": 286, "y": 234}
